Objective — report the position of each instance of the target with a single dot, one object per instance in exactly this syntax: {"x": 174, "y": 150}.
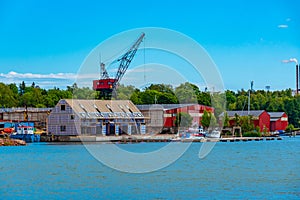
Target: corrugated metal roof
{"x": 276, "y": 114}
{"x": 102, "y": 105}
{"x": 255, "y": 113}
{"x": 103, "y": 108}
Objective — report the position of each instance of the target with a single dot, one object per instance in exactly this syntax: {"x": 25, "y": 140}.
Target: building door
{"x": 111, "y": 129}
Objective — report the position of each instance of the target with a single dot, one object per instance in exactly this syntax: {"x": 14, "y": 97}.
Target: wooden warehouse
{"x": 95, "y": 117}
{"x": 36, "y": 115}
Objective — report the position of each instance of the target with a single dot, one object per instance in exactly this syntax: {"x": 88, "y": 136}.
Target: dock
{"x": 123, "y": 139}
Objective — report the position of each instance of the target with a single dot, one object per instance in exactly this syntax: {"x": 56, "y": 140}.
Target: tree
{"x": 205, "y": 120}
{"x": 213, "y": 121}
{"x": 183, "y": 120}
{"x": 289, "y": 128}
{"x": 186, "y": 93}
{"x": 204, "y": 98}
{"x": 246, "y": 123}
{"x": 7, "y": 97}
{"x": 22, "y": 87}
{"x": 236, "y": 120}
{"x": 163, "y": 88}
{"x": 226, "y": 120}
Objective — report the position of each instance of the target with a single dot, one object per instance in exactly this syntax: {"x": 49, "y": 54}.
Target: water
{"x": 239, "y": 170}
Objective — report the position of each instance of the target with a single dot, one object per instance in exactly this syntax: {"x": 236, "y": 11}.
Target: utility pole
{"x": 251, "y": 88}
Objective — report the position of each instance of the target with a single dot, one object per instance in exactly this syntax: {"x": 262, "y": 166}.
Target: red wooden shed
{"x": 278, "y": 121}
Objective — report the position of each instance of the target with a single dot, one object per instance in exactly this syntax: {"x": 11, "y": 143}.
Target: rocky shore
{"x": 11, "y": 142}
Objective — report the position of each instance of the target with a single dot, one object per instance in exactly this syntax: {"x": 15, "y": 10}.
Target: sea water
{"x": 235, "y": 170}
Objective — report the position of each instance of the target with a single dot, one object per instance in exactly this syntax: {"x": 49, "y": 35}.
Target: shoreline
{"x": 11, "y": 142}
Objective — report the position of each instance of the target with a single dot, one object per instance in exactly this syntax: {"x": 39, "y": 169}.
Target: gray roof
{"x": 101, "y": 109}
{"x": 162, "y": 106}
{"x": 22, "y": 109}
{"x": 276, "y": 114}
{"x": 255, "y": 113}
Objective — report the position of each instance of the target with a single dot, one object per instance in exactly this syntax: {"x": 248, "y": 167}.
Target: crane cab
{"x": 103, "y": 84}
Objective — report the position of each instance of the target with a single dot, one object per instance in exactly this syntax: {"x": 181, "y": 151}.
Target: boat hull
{"x": 28, "y": 138}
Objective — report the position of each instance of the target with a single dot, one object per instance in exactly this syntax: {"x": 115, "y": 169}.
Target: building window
{"x": 62, "y": 107}
{"x": 63, "y": 128}
{"x": 72, "y": 117}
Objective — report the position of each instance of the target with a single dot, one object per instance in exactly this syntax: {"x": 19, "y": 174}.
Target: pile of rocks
{"x": 11, "y": 142}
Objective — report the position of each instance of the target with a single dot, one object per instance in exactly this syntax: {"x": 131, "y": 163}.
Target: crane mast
{"x": 106, "y": 85}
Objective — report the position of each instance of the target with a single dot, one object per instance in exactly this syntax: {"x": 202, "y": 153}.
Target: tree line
{"x": 13, "y": 95}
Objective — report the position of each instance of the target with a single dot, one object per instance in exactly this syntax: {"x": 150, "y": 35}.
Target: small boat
{"x": 213, "y": 134}
{"x": 25, "y": 133}
{"x": 196, "y": 136}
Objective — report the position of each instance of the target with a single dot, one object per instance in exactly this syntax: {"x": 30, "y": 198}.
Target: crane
{"x": 106, "y": 85}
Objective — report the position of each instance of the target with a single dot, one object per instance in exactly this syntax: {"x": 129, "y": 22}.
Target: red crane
{"x": 106, "y": 85}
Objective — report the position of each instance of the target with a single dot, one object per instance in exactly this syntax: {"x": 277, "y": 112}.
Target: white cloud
{"x": 12, "y": 75}
{"x": 283, "y": 26}
{"x": 42, "y": 80}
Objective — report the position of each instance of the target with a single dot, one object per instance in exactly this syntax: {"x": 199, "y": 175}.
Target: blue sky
{"x": 47, "y": 41}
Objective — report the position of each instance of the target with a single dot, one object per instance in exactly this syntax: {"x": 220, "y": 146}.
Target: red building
{"x": 278, "y": 121}
{"x": 261, "y": 118}
{"x": 195, "y": 110}
{"x": 164, "y": 115}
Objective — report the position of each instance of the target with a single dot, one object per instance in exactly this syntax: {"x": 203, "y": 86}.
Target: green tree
{"x": 7, "y": 97}
{"x": 226, "y": 120}
{"x": 290, "y": 128}
{"x": 205, "y": 119}
{"x": 183, "y": 120}
{"x": 246, "y": 123}
{"x": 186, "y": 93}
{"x": 236, "y": 120}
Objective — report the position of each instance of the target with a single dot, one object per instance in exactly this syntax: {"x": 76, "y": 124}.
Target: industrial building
{"x": 95, "y": 117}
{"x": 278, "y": 121}
{"x": 271, "y": 121}
{"x": 161, "y": 116}
{"x": 36, "y": 115}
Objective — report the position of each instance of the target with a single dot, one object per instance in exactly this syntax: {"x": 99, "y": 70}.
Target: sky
{"x": 48, "y": 41}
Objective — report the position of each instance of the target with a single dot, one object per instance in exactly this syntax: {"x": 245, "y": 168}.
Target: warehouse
{"x": 36, "y": 115}
{"x": 95, "y": 117}
{"x": 164, "y": 115}
{"x": 278, "y": 121}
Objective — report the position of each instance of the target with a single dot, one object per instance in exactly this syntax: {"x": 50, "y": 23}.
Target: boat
{"x": 213, "y": 134}
{"x": 6, "y": 128}
{"x": 26, "y": 133}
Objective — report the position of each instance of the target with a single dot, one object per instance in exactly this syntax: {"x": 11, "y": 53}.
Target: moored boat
{"x": 213, "y": 134}
{"x": 26, "y": 133}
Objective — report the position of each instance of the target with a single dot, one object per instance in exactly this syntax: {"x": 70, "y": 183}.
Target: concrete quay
{"x": 149, "y": 138}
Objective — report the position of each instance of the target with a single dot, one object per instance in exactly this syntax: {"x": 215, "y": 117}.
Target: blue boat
{"x": 25, "y": 132}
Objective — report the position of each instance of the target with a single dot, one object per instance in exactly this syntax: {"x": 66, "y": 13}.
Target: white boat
{"x": 213, "y": 134}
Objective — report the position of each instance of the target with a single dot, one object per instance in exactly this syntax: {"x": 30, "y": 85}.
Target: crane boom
{"x": 127, "y": 58}
{"x": 107, "y": 85}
